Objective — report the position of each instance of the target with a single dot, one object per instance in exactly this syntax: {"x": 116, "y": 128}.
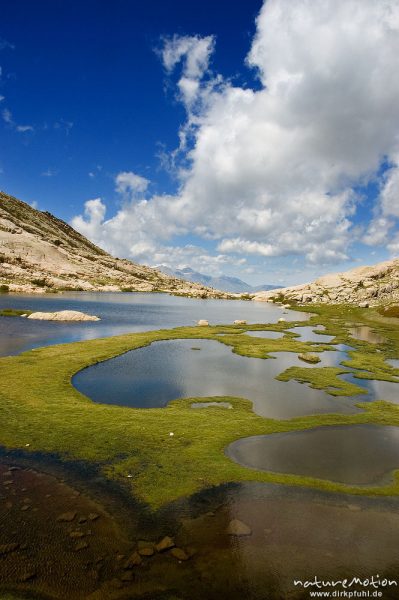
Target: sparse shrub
{"x": 39, "y": 282}
{"x": 4, "y": 289}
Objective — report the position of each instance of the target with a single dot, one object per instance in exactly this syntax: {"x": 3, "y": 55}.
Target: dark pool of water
{"x": 120, "y": 313}
{"x": 153, "y": 376}
{"x": 295, "y": 533}
{"x": 356, "y": 454}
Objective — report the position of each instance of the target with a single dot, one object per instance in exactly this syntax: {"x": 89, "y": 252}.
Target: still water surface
{"x": 355, "y": 454}
{"x": 153, "y": 376}
{"x": 121, "y": 313}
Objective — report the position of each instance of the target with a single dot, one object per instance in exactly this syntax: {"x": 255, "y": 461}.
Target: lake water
{"x": 154, "y": 375}
{"x": 312, "y": 334}
{"x": 376, "y": 390}
{"x": 121, "y": 313}
{"x": 356, "y": 454}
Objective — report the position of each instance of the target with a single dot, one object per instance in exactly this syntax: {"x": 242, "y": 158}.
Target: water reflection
{"x": 356, "y": 454}
{"x": 269, "y": 335}
{"x": 309, "y": 334}
{"x": 154, "y": 375}
{"x": 377, "y": 390}
{"x": 364, "y": 333}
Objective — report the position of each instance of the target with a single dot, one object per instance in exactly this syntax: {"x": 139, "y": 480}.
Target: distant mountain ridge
{"x": 223, "y": 282}
{"x": 41, "y": 253}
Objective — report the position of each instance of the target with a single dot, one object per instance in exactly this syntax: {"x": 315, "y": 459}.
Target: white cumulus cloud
{"x": 271, "y": 172}
{"x": 129, "y": 183}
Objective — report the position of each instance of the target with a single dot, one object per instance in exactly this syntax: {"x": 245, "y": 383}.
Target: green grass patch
{"x": 41, "y": 411}
{"x": 389, "y": 311}
{"x": 323, "y": 378}
{"x": 14, "y": 312}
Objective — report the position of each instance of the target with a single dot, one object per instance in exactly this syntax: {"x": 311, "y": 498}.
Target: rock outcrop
{"x": 40, "y": 253}
{"x": 363, "y": 286}
{"x": 62, "y": 315}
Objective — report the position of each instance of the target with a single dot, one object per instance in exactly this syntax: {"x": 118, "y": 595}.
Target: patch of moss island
{"x": 42, "y": 412}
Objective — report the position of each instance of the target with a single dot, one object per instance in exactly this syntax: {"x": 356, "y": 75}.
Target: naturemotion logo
{"x": 355, "y": 587}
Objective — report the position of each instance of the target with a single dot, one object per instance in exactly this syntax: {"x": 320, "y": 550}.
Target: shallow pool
{"x": 152, "y": 376}
{"x": 355, "y": 454}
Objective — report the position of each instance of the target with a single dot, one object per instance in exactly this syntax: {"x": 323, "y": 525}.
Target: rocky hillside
{"x": 364, "y": 286}
{"x": 40, "y": 253}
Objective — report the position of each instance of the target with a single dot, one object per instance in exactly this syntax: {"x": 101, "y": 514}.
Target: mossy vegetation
{"x": 44, "y": 412}
{"x": 309, "y": 358}
{"x": 323, "y": 378}
{"x": 14, "y": 312}
{"x": 389, "y": 311}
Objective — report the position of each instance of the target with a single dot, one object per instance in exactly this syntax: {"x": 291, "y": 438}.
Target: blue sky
{"x": 256, "y": 140}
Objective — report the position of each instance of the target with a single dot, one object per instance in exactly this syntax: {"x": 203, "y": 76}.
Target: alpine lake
{"x": 144, "y": 457}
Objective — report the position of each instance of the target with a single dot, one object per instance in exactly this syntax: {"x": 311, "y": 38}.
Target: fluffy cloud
{"x": 194, "y": 53}
{"x": 128, "y": 183}
{"x": 386, "y": 212}
{"x": 271, "y": 172}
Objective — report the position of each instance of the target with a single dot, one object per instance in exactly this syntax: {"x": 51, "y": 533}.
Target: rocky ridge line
{"x": 363, "y": 286}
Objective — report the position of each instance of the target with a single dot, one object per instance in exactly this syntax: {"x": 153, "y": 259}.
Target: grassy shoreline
{"x": 43, "y": 412}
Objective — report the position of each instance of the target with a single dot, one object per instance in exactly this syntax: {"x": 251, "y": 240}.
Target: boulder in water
{"x": 62, "y": 315}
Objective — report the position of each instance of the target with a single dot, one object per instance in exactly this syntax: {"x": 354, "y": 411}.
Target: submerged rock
{"x": 179, "y": 553}
{"x": 134, "y": 560}
{"x": 66, "y": 517}
{"x": 238, "y": 528}
{"x": 81, "y": 546}
{"x": 62, "y": 315}
{"x": 165, "y": 544}
{"x": 7, "y": 548}
{"x": 145, "y": 548}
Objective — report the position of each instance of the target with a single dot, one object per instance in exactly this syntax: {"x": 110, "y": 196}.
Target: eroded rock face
{"x": 364, "y": 286}
{"x": 62, "y": 315}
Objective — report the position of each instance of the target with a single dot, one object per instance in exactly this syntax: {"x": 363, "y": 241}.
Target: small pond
{"x": 366, "y": 334}
{"x": 152, "y": 376}
{"x": 355, "y": 454}
{"x": 269, "y": 335}
{"x": 209, "y": 404}
{"x": 312, "y": 334}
